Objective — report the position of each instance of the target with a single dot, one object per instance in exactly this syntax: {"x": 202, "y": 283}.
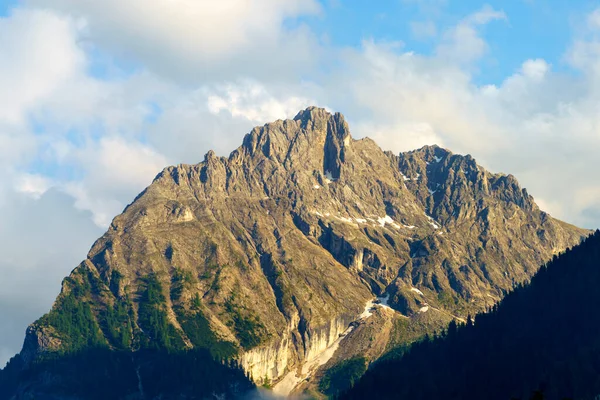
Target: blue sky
{"x": 535, "y": 28}
{"x": 6, "y": 6}
{"x": 98, "y": 97}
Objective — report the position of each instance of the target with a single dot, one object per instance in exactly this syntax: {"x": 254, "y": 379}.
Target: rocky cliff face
{"x": 267, "y": 255}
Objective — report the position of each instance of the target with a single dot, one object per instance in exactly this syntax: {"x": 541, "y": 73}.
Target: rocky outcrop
{"x": 270, "y": 362}
{"x": 272, "y": 251}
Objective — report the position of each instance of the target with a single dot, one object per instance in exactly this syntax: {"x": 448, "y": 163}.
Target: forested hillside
{"x": 101, "y": 374}
{"x": 541, "y": 341}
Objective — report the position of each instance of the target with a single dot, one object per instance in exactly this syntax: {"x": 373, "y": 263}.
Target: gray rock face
{"x": 301, "y": 225}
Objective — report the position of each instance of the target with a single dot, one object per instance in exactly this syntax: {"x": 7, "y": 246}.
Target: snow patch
{"x": 368, "y": 311}
{"x": 316, "y": 187}
{"x": 360, "y": 220}
{"x": 437, "y": 159}
{"x": 383, "y": 302}
{"x": 409, "y": 226}
{"x": 432, "y": 222}
{"x": 388, "y": 220}
{"x": 328, "y": 177}
{"x": 348, "y": 220}
{"x": 405, "y": 177}
{"x": 414, "y": 289}
{"x": 431, "y": 192}
{"x": 424, "y": 309}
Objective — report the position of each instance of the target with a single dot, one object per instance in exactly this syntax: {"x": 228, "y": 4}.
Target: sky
{"x": 97, "y": 97}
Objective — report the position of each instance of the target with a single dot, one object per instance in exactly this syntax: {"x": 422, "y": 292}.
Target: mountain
{"x": 541, "y": 342}
{"x": 273, "y": 256}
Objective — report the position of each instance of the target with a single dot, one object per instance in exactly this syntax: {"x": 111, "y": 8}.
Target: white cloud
{"x": 193, "y": 40}
{"x": 37, "y": 54}
{"x": 463, "y": 43}
{"x": 535, "y": 69}
{"x": 403, "y": 90}
{"x": 34, "y": 185}
{"x": 115, "y": 171}
{"x": 253, "y": 102}
{"x": 484, "y": 16}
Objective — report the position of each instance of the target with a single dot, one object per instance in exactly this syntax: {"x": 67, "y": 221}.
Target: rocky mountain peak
{"x": 314, "y": 140}
{"x": 274, "y": 250}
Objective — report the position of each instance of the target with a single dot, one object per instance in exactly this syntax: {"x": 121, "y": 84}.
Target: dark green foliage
{"x": 161, "y": 367}
{"x": 541, "y": 341}
{"x": 115, "y": 282}
{"x": 117, "y": 322}
{"x": 247, "y": 326}
{"x": 9, "y": 376}
{"x": 180, "y": 280}
{"x": 342, "y": 376}
{"x": 96, "y": 285}
{"x": 104, "y": 374}
{"x": 158, "y": 333}
{"x": 73, "y": 318}
{"x": 196, "y": 303}
{"x": 197, "y": 329}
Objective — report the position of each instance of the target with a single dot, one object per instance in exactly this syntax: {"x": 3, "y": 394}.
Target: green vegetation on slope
{"x": 117, "y": 321}
{"x": 158, "y": 333}
{"x": 72, "y": 317}
{"x": 246, "y": 325}
{"x": 541, "y": 341}
{"x": 342, "y": 376}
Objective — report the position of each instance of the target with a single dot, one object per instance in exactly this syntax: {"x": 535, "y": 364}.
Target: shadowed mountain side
{"x": 105, "y": 374}
{"x": 541, "y": 342}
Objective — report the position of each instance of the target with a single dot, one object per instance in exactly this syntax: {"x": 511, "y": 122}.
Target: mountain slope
{"x": 543, "y": 340}
{"x": 266, "y": 256}
{"x": 101, "y": 374}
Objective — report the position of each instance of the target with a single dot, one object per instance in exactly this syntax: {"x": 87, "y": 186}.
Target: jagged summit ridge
{"x": 313, "y": 135}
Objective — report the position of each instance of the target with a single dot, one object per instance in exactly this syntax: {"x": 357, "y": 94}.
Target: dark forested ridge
{"x": 106, "y": 374}
{"x": 541, "y": 342}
